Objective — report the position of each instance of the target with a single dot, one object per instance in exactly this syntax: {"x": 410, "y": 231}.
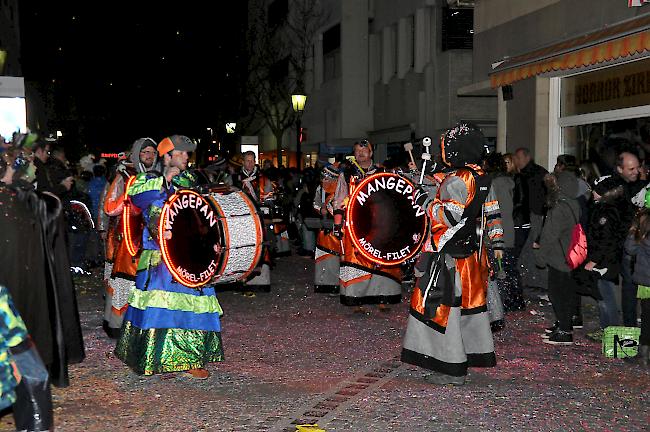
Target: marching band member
{"x": 258, "y": 188}
{"x": 448, "y": 327}
{"x": 120, "y": 266}
{"x": 363, "y": 281}
{"x": 328, "y": 246}
{"x": 167, "y": 327}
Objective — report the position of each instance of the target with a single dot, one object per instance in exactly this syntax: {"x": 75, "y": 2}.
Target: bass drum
{"x": 212, "y": 238}
{"x": 383, "y": 221}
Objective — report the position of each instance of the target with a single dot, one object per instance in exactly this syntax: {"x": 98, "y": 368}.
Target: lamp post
{"x": 298, "y": 101}
{"x": 230, "y": 130}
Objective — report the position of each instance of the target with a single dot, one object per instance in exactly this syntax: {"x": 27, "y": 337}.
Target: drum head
{"x": 385, "y": 225}
{"x": 195, "y": 231}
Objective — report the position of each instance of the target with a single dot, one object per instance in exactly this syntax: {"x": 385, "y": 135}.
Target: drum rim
{"x": 132, "y": 246}
{"x": 350, "y": 229}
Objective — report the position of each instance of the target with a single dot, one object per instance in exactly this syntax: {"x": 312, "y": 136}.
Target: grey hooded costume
{"x": 118, "y": 283}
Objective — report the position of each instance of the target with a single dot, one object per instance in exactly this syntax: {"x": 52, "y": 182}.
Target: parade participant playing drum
{"x": 362, "y": 280}
{"x": 258, "y": 188}
{"x": 448, "y": 326}
{"x": 168, "y": 327}
{"x": 328, "y": 246}
{"x": 124, "y": 234}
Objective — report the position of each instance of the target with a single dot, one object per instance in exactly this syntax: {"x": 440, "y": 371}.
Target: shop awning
{"x": 612, "y": 43}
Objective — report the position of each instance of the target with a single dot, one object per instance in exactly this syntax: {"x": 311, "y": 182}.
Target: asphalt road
{"x": 293, "y": 356}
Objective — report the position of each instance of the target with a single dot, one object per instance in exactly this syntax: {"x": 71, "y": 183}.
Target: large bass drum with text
{"x": 211, "y": 238}
{"x": 383, "y": 221}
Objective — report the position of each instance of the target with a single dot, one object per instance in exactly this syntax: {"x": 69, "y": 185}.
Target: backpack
{"x": 576, "y": 253}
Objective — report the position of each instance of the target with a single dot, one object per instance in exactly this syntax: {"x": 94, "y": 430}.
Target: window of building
{"x": 411, "y": 36}
{"x": 332, "y": 53}
{"x": 278, "y": 11}
{"x": 395, "y": 47}
{"x": 457, "y": 28}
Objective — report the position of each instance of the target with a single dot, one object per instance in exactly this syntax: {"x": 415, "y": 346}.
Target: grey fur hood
{"x": 138, "y": 145}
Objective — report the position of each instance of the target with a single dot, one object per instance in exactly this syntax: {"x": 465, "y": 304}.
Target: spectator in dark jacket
{"x": 46, "y": 179}
{"x": 638, "y": 245}
{"x": 627, "y": 175}
{"x": 95, "y": 188}
{"x": 531, "y": 207}
{"x": 563, "y": 215}
{"x": 507, "y": 280}
{"x": 605, "y": 239}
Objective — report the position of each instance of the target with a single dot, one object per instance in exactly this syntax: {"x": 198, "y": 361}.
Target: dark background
{"x": 108, "y": 73}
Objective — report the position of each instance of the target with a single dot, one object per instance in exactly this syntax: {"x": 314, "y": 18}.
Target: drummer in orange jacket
{"x": 362, "y": 281}
{"x": 120, "y": 266}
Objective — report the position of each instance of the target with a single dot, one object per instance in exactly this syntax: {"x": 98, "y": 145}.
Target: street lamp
{"x": 298, "y": 102}
{"x": 229, "y": 140}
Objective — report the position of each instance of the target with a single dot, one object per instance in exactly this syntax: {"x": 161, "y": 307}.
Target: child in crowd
{"x": 605, "y": 238}
{"x": 638, "y": 246}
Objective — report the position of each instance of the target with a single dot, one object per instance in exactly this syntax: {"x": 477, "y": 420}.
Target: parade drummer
{"x": 361, "y": 280}
{"x": 250, "y": 180}
{"x": 328, "y": 246}
{"x": 167, "y": 327}
{"x": 448, "y": 328}
{"x": 120, "y": 266}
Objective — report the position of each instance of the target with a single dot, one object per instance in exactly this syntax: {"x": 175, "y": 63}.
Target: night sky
{"x": 115, "y": 73}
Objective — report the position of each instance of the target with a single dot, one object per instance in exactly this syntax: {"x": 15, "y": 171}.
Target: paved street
{"x": 294, "y": 356}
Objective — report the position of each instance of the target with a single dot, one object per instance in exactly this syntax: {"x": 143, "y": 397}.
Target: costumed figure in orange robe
{"x": 122, "y": 252}
{"x": 328, "y": 246}
{"x": 448, "y": 327}
{"x": 250, "y": 180}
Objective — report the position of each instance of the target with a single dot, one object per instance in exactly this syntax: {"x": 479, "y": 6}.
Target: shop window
{"x": 457, "y": 29}
{"x": 597, "y": 145}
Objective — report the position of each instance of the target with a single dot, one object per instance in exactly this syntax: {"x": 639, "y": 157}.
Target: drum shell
{"x": 227, "y": 221}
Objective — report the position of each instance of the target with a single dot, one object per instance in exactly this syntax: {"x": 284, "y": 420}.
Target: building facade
{"x": 572, "y": 76}
{"x": 391, "y": 72}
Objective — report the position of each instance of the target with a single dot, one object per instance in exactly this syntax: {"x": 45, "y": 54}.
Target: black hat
{"x": 463, "y": 144}
{"x": 604, "y": 184}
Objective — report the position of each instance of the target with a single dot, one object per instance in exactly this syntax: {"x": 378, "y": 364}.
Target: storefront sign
{"x": 623, "y": 86}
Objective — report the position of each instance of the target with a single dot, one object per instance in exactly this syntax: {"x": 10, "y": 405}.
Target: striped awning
{"x": 612, "y": 43}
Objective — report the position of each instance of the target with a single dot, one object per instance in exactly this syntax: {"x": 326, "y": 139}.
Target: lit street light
{"x": 298, "y": 102}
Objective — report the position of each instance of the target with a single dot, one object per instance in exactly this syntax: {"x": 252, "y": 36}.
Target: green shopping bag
{"x": 621, "y": 342}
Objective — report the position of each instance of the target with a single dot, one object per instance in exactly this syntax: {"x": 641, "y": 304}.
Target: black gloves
{"x": 338, "y": 223}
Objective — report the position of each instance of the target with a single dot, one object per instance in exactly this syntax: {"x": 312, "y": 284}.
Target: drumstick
{"x": 425, "y": 157}
{"x": 409, "y": 148}
{"x": 426, "y": 142}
